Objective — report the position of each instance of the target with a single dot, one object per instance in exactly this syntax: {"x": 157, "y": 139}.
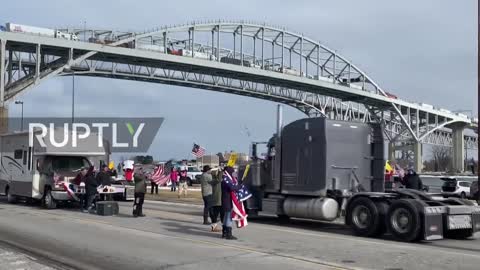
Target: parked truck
{"x": 329, "y": 170}
{"x": 19, "y": 28}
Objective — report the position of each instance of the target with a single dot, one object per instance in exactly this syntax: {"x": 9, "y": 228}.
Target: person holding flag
{"x": 234, "y": 194}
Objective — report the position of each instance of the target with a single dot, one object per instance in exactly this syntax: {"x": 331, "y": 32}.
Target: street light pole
{"x": 73, "y": 97}
{"x": 21, "y": 123}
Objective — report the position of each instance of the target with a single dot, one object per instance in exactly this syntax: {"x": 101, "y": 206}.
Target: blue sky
{"x": 423, "y": 51}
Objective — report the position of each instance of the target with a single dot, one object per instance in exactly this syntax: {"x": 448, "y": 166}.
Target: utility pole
{"x": 73, "y": 97}
{"x": 478, "y": 96}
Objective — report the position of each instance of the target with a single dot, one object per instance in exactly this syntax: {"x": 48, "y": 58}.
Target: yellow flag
{"x": 111, "y": 165}
{"x": 245, "y": 173}
{"x": 388, "y": 168}
{"x": 232, "y": 160}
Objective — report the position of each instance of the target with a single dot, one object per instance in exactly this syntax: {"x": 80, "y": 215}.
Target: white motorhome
{"x": 39, "y": 172}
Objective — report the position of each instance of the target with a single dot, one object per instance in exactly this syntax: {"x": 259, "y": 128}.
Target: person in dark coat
{"x": 91, "y": 186}
{"x": 228, "y": 185}
{"x": 104, "y": 177}
{"x": 412, "y": 180}
{"x": 216, "y": 207}
{"x": 140, "y": 190}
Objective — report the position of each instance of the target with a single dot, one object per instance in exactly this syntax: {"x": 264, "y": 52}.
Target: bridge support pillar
{"x": 3, "y": 108}
{"x": 458, "y": 148}
{"x": 417, "y": 159}
{"x": 2, "y": 70}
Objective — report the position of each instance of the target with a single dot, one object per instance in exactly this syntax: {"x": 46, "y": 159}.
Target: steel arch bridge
{"x": 241, "y": 58}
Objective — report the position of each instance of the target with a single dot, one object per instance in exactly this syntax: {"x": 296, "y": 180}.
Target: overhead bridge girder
{"x": 242, "y": 58}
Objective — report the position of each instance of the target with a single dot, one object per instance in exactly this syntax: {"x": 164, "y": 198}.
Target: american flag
{"x": 60, "y": 181}
{"x": 239, "y": 215}
{"x": 198, "y": 151}
{"x": 160, "y": 175}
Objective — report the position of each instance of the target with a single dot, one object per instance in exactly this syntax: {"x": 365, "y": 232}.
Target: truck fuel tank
{"x": 311, "y": 208}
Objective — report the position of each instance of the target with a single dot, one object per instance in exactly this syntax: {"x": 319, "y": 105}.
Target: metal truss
{"x": 270, "y": 63}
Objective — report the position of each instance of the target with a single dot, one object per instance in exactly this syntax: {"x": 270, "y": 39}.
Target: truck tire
{"x": 189, "y": 182}
{"x": 10, "y": 198}
{"x": 363, "y": 216}
{"x": 404, "y": 221}
{"x": 48, "y": 201}
{"x": 463, "y": 195}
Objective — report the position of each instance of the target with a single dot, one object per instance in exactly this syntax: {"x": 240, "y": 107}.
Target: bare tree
{"x": 442, "y": 156}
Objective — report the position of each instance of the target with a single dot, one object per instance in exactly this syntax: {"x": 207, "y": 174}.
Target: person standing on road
{"x": 153, "y": 187}
{"x": 183, "y": 183}
{"x": 173, "y": 179}
{"x": 79, "y": 181}
{"x": 412, "y": 180}
{"x": 229, "y": 185}
{"x": 206, "y": 188}
{"x": 91, "y": 185}
{"x": 140, "y": 190}
{"x": 104, "y": 179}
{"x": 216, "y": 206}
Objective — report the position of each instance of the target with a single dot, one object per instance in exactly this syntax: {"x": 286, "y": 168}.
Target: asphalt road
{"x": 13, "y": 259}
{"x": 171, "y": 237}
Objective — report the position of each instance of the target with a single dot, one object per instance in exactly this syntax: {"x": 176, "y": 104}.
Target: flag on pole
{"x": 160, "y": 175}
{"x": 198, "y": 151}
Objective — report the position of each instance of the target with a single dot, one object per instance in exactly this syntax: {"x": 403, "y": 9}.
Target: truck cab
{"x": 331, "y": 170}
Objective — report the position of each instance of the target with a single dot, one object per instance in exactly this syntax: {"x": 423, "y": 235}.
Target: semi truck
{"x": 19, "y": 28}
{"x": 328, "y": 170}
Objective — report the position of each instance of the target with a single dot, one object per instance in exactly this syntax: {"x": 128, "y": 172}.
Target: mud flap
{"x": 433, "y": 223}
{"x": 476, "y": 221}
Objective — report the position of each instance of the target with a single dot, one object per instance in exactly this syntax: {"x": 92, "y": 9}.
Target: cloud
{"x": 423, "y": 51}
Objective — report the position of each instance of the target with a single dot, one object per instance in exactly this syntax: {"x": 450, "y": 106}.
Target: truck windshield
{"x": 65, "y": 163}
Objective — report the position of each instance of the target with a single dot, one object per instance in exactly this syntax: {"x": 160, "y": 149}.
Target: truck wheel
{"x": 48, "y": 200}
{"x": 363, "y": 217}
{"x": 403, "y": 221}
{"x": 463, "y": 195}
{"x": 459, "y": 234}
{"x": 189, "y": 182}
{"x": 10, "y": 198}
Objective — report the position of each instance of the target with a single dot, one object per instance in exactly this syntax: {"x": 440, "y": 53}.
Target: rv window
{"x": 24, "y": 157}
{"x": 17, "y": 154}
{"x": 69, "y": 163}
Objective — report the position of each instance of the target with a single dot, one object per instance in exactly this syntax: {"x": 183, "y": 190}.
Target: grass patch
{"x": 193, "y": 197}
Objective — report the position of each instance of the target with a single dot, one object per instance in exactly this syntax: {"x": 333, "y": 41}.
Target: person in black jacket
{"x": 412, "y": 180}
{"x": 104, "y": 179}
{"x": 91, "y": 186}
{"x": 229, "y": 184}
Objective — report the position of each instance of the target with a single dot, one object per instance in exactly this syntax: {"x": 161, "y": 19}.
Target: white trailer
{"x": 150, "y": 47}
{"x": 20, "y": 28}
{"x": 42, "y": 172}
